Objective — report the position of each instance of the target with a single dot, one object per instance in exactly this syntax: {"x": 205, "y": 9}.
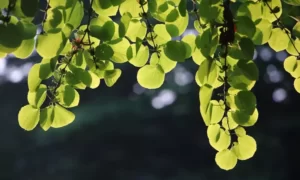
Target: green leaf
{"x": 71, "y": 79}
{"x": 67, "y": 96}
{"x": 250, "y": 9}
{"x": 226, "y": 159}
{"x": 290, "y": 64}
{"x": 133, "y": 7}
{"x": 4, "y": 3}
{"x": 245, "y": 101}
{"x": 247, "y": 48}
{"x": 28, "y": 117}
{"x": 33, "y": 78}
{"x": 245, "y": 148}
{"x": 141, "y": 57}
{"x": 161, "y": 35}
{"x": 62, "y": 117}
{"x": 26, "y": 8}
{"x": 55, "y": 19}
{"x": 38, "y": 97}
{"x": 279, "y": 40}
{"x": 242, "y": 118}
{"x": 198, "y": 57}
{"x": 177, "y": 27}
{"x": 207, "y": 72}
{"x": 166, "y": 63}
{"x": 207, "y": 11}
{"x": 117, "y": 2}
{"x": 262, "y": 32}
{"x": 50, "y": 44}
{"x": 207, "y": 42}
{"x": 245, "y": 26}
{"x": 2, "y": 55}
{"x": 119, "y": 46}
{"x": 205, "y": 95}
{"x": 106, "y": 32}
{"x": 182, "y": 7}
{"x": 230, "y": 121}
{"x": 173, "y": 15}
{"x": 190, "y": 41}
{"x": 244, "y": 75}
{"x": 76, "y": 14}
{"x": 267, "y": 14}
{"x": 103, "y": 28}
{"x": 104, "y": 52}
{"x": 291, "y": 49}
{"x": 124, "y": 23}
{"x": 136, "y": 29}
{"x": 214, "y": 112}
{"x": 46, "y": 117}
{"x": 106, "y": 8}
{"x": 111, "y": 76}
{"x": 240, "y": 131}
{"x": 78, "y": 60}
{"x": 175, "y": 50}
{"x": 151, "y": 76}
{"x": 296, "y": 30}
{"x": 218, "y": 138}
{"x": 45, "y": 68}
{"x": 29, "y": 29}
{"x": 297, "y": 84}
{"x": 26, "y": 47}
{"x": 11, "y": 35}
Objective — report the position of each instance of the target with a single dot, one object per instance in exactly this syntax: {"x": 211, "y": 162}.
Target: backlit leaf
{"x": 28, "y": 117}
{"x": 226, "y": 159}
{"x": 62, "y": 117}
{"x": 151, "y": 76}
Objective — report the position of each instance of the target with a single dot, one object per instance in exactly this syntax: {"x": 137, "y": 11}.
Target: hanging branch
{"x": 149, "y": 27}
{"x": 226, "y": 38}
{"x": 281, "y": 25}
{"x": 45, "y": 15}
{"x": 87, "y": 32}
{"x": 68, "y": 58}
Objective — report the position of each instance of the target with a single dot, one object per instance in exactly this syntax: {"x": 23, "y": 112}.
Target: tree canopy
{"x": 81, "y": 44}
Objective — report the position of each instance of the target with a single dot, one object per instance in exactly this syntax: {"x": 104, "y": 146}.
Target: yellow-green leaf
{"x": 151, "y": 76}
{"x": 28, "y": 117}
{"x": 62, "y": 117}
{"x": 37, "y": 98}
{"x": 226, "y": 159}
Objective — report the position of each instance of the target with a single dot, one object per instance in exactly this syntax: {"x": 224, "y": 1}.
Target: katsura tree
{"x": 80, "y": 44}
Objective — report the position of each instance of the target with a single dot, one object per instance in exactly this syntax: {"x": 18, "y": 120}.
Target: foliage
{"x": 80, "y": 46}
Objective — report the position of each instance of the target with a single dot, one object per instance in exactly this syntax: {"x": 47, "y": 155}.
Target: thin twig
{"x": 87, "y": 32}
{"x": 150, "y": 29}
{"x": 73, "y": 52}
{"x": 283, "y": 27}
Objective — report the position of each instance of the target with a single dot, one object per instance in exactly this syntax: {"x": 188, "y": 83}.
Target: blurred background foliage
{"x": 129, "y": 133}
